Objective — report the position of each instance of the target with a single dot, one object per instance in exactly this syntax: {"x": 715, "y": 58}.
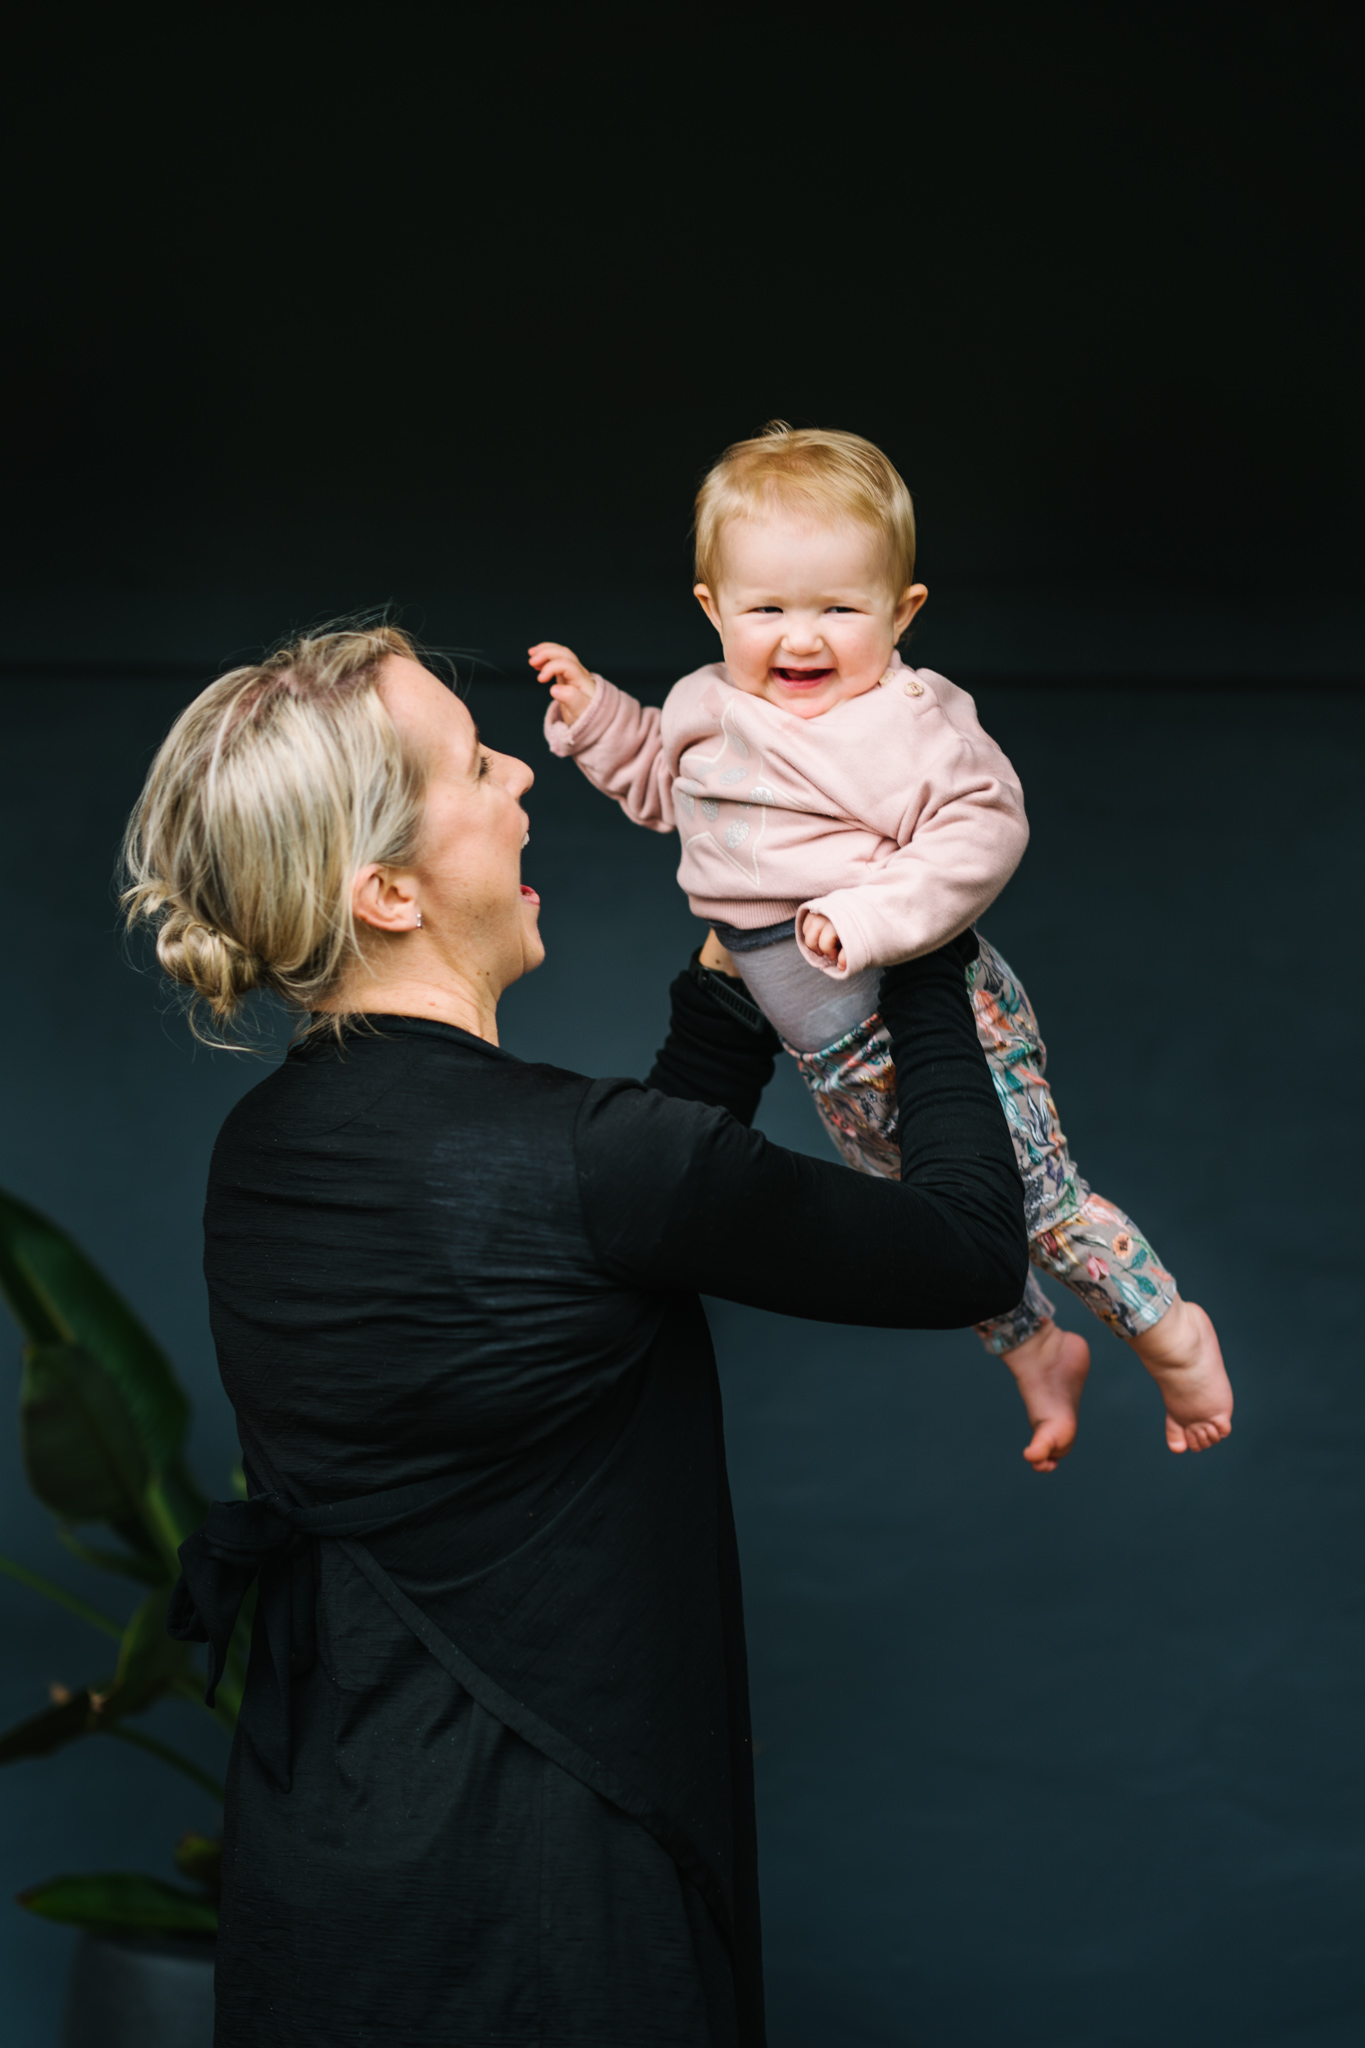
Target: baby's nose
{"x": 802, "y": 634}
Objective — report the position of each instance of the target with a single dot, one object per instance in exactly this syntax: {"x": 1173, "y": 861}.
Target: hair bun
{"x": 208, "y": 960}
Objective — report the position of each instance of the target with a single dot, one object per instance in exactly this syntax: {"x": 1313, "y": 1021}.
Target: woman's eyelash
{"x": 484, "y": 765}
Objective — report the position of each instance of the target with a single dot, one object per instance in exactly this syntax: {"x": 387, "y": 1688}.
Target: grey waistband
{"x": 736, "y": 941}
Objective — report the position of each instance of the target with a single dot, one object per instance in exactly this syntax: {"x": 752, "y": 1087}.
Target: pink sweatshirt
{"x": 893, "y": 814}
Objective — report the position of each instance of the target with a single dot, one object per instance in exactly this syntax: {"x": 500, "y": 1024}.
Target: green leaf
{"x": 180, "y": 1504}
{"x": 121, "y": 1902}
{"x": 82, "y": 1450}
{"x": 150, "y": 1662}
{"x": 200, "y": 1859}
{"x": 149, "y": 1571}
{"x": 57, "y": 1295}
{"x": 57, "y": 1725}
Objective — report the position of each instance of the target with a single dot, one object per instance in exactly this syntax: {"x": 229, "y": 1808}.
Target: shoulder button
{"x": 913, "y": 686}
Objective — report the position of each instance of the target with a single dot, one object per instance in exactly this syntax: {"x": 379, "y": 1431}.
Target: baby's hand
{"x": 575, "y": 689}
{"x": 820, "y": 935}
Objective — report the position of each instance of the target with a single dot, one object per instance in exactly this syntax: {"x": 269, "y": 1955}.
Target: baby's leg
{"x": 1049, "y": 1364}
{"x": 1105, "y": 1260}
{"x": 1085, "y": 1242}
{"x": 853, "y": 1086}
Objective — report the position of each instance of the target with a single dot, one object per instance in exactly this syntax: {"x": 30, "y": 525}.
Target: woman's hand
{"x": 820, "y": 935}
{"x": 571, "y": 686}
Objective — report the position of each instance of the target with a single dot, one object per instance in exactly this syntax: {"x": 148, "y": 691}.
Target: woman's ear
{"x": 707, "y": 603}
{"x": 910, "y": 601}
{"x": 384, "y": 900}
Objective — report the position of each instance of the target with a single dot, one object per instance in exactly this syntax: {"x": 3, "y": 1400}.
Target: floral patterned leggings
{"x": 1077, "y": 1237}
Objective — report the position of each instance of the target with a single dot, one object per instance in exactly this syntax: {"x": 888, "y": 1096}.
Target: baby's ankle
{"x": 1174, "y": 1341}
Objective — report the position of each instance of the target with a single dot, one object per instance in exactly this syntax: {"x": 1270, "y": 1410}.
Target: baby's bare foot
{"x": 1049, "y": 1369}
{"x": 1181, "y": 1353}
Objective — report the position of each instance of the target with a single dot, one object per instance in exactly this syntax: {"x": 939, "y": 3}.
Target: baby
{"x": 840, "y": 811}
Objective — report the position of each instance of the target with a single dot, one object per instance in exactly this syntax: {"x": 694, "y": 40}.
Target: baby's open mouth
{"x": 798, "y": 678}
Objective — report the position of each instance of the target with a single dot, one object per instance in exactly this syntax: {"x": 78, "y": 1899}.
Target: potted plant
{"x": 102, "y": 1421}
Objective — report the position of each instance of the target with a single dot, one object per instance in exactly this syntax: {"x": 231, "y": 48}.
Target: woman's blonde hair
{"x": 830, "y": 476}
{"x": 269, "y": 792}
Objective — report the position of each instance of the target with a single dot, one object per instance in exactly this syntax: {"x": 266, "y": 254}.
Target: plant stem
{"x": 161, "y": 1526}
{"x": 52, "y": 1591}
{"x": 192, "y": 1690}
{"x": 155, "y": 1747}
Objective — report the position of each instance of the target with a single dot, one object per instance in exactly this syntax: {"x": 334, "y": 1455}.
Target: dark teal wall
{"x": 1047, "y": 1761}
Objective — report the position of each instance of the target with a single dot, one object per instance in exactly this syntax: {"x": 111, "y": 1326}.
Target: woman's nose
{"x": 519, "y": 776}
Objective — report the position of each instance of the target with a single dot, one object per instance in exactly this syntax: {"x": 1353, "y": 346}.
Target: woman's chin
{"x": 532, "y": 944}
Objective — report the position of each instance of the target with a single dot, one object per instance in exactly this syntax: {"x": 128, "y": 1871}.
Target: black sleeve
{"x": 681, "y": 1196}
{"x": 713, "y": 1052}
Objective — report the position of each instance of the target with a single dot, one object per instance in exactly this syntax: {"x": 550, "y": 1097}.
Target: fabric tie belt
{"x": 272, "y": 1538}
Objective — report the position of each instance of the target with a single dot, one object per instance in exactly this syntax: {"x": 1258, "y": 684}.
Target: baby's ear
{"x": 911, "y": 598}
{"x": 702, "y": 593}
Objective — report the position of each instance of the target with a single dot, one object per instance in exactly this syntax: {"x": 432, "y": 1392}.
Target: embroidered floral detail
{"x": 1123, "y": 1245}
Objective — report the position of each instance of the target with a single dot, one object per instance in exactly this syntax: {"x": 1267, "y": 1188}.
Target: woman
{"x": 492, "y": 1782}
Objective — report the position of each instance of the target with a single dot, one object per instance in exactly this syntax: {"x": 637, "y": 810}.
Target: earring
{"x": 419, "y": 920}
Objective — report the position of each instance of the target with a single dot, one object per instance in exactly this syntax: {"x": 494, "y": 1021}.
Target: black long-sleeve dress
{"x": 492, "y": 1783}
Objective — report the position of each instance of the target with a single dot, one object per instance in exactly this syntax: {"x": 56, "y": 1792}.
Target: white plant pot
{"x": 137, "y": 1991}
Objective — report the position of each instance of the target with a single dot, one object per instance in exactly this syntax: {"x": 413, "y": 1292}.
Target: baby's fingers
{"x": 565, "y": 668}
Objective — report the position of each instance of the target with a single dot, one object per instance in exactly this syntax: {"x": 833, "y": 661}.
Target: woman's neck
{"x": 449, "y": 999}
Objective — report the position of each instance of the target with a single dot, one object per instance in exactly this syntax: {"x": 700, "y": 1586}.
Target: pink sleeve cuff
{"x": 844, "y": 912}
{"x": 568, "y": 739}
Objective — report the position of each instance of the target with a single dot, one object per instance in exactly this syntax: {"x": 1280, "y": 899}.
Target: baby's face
{"x": 805, "y": 613}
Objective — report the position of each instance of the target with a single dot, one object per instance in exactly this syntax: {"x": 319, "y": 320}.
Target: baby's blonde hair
{"x": 832, "y": 476}
{"x": 270, "y": 791}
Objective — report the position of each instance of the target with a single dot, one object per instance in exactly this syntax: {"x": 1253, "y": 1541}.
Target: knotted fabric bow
{"x": 272, "y": 1538}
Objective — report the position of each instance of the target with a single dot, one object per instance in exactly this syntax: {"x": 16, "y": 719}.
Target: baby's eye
{"x": 841, "y": 607}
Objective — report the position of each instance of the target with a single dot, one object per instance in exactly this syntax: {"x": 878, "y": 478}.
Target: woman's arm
{"x": 720, "y": 1048}
{"x": 681, "y": 1196}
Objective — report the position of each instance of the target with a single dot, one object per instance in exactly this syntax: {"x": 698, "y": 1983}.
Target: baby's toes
{"x": 1051, "y": 1442}
{"x": 1177, "y": 1438}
